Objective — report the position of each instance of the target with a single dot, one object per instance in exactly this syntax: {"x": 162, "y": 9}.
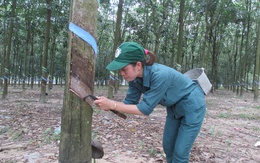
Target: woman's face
{"x": 130, "y": 72}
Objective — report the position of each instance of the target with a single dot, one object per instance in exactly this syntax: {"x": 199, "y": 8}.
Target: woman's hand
{"x": 105, "y": 104}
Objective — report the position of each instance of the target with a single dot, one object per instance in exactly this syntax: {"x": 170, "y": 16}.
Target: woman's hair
{"x": 148, "y": 60}
{"x": 151, "y": 58}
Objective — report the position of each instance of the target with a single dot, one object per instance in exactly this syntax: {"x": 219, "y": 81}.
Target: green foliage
{"x": 258, "y": 107}
{"x": 140, "y": 145}
{"x": 153, "y": 24}
{"x": 4, "y": 130}
{"x": 213, "y": 131}
{"x": 152, "y": 152}
{"x": 247, "y": 116}
{"x": 228, "y": 142}
{"x": 30, "y": 17}
{"x": 16, "y": 136}
{"x": 50, "y": 135}
{"x": 224, "y": 115}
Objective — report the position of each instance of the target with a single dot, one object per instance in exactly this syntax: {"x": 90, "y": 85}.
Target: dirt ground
{"x": 29, "y": 130}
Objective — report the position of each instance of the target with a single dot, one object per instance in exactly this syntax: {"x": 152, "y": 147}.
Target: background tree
{"x": 28, "y": 21}
{"x": 45, "y": 53}
{"x": 113, "y": 80}
{"x": 8, "y": 53}
{"x": 217, "y": 35}
{"x": 3, "y": 43}
{"x": 180, "y": 40}
{"x": 257, "y": 68}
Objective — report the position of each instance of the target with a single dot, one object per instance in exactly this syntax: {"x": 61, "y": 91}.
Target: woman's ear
{"x": 139, "y": 64}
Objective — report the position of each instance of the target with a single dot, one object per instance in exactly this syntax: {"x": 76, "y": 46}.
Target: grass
{"x": 257, "y": 107}
{"x": 140, "y": 145}
{"x": 152, "y": 152}
{"x": 4, "y": 130}
{"x": 118, "y": 141}
{"x": 215, "y": 132}
{"x": 228, "y": 142}
{"x": 94, "y": 135}
{"x": 49, "y": 135}
{"x": 247, "y": 116}
{"x": 227, "y": 115}
{"x": 224, "y": 115}
{"x": 256, "y": 128}
{"x": 221, "y": 88}
{"x": 17, "y": 135}
{"x": 211, "y": 103}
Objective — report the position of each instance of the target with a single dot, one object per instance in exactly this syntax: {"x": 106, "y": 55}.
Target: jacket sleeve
{"x": 133, "y": 95}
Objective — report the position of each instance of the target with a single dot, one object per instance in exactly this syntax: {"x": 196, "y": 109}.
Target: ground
{"x": 29, "y": 130}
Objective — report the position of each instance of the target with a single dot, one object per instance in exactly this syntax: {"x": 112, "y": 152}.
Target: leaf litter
{"x": 29, "y": 130}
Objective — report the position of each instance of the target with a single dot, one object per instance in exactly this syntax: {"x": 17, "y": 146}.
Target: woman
{"x": 159, "y": 84}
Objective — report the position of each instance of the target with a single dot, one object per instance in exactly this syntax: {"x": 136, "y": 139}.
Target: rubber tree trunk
{"x": 45, "y": 54}
{"x": 3, "y": 54}
{"x": 9, "y": 44}
{"x": 76, "y": 121}
{"x": 53, "y": 50}
{"x": 113, "y": 82}
{"x": 25, "y": 57}
{"x": 257, "y": 68}
{"x": 180, "y": 40}
{"x": 32, "y": 62}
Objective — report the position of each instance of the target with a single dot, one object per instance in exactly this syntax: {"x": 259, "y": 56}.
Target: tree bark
{"x": 114, "y": 84}
{"x": 257, "y": 68}
{"x": 8, "y": 53}
{"x": 32, "y": 61}
{"x": 53, "y": 50}
{"x": 45, "y": 54}
{"x": 180, "y": 40}
{"x": 28, "y": 38}
{"x": 240, "y": 70}
{"x": 76, "y": 121}
{"x": 235, "y": 76}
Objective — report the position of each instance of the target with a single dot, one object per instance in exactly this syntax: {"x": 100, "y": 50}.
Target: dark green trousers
{"x": 183, "y": 123}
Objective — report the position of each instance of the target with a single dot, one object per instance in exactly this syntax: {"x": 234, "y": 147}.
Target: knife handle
{"x": 91, "y": 96}
{"x": 119, "y": 114}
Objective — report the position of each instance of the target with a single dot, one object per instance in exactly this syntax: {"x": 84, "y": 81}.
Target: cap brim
{"x": 114, "y": 65}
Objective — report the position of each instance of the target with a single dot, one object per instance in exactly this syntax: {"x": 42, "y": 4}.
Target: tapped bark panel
{"x": 82, "y": 70}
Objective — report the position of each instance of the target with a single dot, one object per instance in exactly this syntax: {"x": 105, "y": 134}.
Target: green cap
{"x": 127, "y": 52}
